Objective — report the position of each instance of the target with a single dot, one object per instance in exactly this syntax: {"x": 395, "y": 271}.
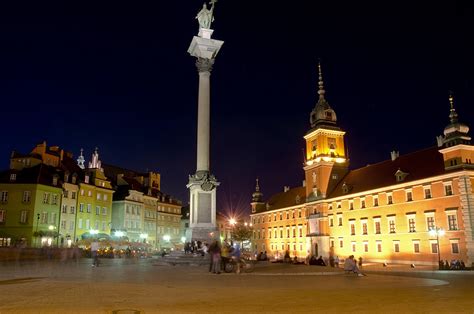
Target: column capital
{"x": 204, "y": 64}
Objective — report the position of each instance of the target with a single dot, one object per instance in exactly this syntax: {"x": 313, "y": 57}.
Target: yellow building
{"x": 393, "y": 211}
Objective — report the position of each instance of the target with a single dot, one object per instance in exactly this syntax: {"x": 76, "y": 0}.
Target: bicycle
{"x": 246, "y": 265}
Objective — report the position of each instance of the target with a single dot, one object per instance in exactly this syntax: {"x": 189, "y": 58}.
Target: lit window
{"x": 377, "y": 226}
{"x": 396, "y": 246}
{"x": 379, "y": 246}
{"x": 353, "y": 244}
{"x": 376, "y": 201}
{"x": 454, "y": 246}
{"x": 427, "y": 192}
{"x": 352, "y": 228}
{"x": 434, "y": 247}
{"x": 448, "y": 189}
{"x": 391, "y": 225}
{"x": 389, "y": 199}
{"x": 24, "y": 216}
{"x": 364, "y": 227}
{"x": 416, "y": 247}
{"x": 430, "y": 223}
{"x": 452, "y": 221}
{"x": 366, "y": 246}
{"x": 409, "y": 196}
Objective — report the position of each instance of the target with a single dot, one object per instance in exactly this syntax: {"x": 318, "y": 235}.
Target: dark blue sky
{"x": 119, "y": 77}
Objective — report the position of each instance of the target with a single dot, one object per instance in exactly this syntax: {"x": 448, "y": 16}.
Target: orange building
{"x": 395, "y": 211}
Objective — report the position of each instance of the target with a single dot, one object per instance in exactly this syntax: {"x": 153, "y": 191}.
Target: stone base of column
{"x": 205, "y": 235}
{"x": 202, "y": 207}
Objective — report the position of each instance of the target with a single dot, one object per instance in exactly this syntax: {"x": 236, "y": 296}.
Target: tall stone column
{"x": 202, "y": 185}
{"x": 204, "y": 67}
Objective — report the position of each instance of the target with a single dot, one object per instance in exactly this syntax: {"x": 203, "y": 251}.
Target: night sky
{"x": 119, "y": 77}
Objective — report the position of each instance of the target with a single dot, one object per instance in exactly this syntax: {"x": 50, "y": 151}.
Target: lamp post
{"x": 37, "y": 222}
{"x": 436, "y": 231}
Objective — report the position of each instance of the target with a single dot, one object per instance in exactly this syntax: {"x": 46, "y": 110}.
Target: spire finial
{"x": 453, "y": 116}
{"x": 321, "y": 90}
{"x": 257, "y": 187}
{"x": 82, "y": 150}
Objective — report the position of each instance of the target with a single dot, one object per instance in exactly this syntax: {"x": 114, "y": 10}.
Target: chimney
{"x": 394, "y": 154}
{"x": 286, "y": 188}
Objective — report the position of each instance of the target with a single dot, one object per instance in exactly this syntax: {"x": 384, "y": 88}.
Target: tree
{"x": 241, "y": 232}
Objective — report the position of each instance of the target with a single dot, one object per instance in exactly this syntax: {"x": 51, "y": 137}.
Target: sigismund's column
{"x": 202, "y": 185}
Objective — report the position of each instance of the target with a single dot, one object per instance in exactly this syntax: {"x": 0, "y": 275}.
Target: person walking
{"x": 336, "y": 261}
{"x": 94, "y": 253}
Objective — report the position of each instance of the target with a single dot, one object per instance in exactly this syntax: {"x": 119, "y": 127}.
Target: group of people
{"x": 262, "y": 256}
{"x": 220, "y": 255}
{"x": 454, "y": 265}
{"x": 350, "y": 265}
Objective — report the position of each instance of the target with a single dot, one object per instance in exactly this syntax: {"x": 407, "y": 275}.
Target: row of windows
{"x": 415, "y": 248}
{"x": 24, "y": 215}
{"x": 66, "y": 194}
{"x": 89, "y": 208}
{"x": 448, "y": 190}
{"x": 391, "y": 223}
{"x": 293, "y": 233}
{"x": 280, "y": 247}
{"x": 289, "y": 214}
{"x": 87, "y": 225}
{"x": 99, "y": 196}
{"x": 50, "y": 198}
{"x": 72, "y": 209}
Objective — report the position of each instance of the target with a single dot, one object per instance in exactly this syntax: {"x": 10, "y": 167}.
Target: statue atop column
{"x": 205, "y": 17}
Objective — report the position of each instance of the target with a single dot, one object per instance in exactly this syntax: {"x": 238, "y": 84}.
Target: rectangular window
{"x": 80, "y": 223}
{"x": 26, "y": 196}
{"x": 104, "y": 211}
{"x": 351, "y": 205}
{"x": 362, "y": 203}
{"x": 65, "y": 193}
{"x": 72, "y": 210}
{"x": 88, "y": 224}
{"x": 299, "y": 214}
{"x": 3, "y": 214}
{"x": 448, "y": 189}
{"x": 73, "y": 195}
{"x": 341, "y": 243}
{"x": 364, "y": 227}
{"x": 389, "y": 199}
{"x": 434, "y": 247}
{"x": 300, "y": 231}
{"x": 104, "y": 226}
{"x": 4, "y": 196}
{"x": 24, "y": 216}
{"x": 44, "y": 217}
{"x": 376, "y": 201}
{"x": 396, "y": 246}
{"x": 45, "y": 198}
{"x": 416, "y": 247}
{"x": 89, "y": 193}
{"x": 55, "y": 199}
{"x": 353, "y": 244}
{"x": 331, "y": 222}
{"x": 379, "y": 246}
{"x": 81, "y": 207}
{"x": 294, "y": 232}
{"x": 353, "y": 232}
{"x": 377, "y": 226}
{"x": 391, "y": 225}
{"x": 409, "y": 196}
{"x": 71, "y": 225}
{"x": 427, "y": 192}
{"x": 105, "y": 197}
{"x": 411, "y": 225}
{"x": 331, "y": 243}
{"x": 339, "y": 218}
{"x": 63, "y": 224}
{"x": 452, "y": 222}
{"x": 89, "y": 208}
{"x": 366, "y": 246}
{"x": 97, "y": 210}
{"x": 98, "y": 196}
{"x": 64, "y": 209}
{"x": 455, "y": 247}
{"x": 430, "y": 222}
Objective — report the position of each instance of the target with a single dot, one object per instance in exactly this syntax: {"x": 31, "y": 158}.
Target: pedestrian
{"x": 336, "y": 261}
{"x": 360, "y": 261}
{"x": 215, "y": 253}
{"x": 94, "y": 253}
{"x": 225, "y": 253}
{"x": 236, "y": 256}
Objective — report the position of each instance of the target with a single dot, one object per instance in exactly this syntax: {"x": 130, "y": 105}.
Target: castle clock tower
{"x": 326, "y": 161}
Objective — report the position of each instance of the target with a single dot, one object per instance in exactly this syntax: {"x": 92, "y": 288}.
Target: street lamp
{"x": 437, "y": 232}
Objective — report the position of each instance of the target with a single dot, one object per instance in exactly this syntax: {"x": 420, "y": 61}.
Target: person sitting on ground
{"x": 320, "y": 261}
{"x": 259, "y": 256}
{"x": 350, "y": 265}
{"x": 295, "y": 260}
{"x": 287, "y": 258}
{"x": 264, "y": 256}
{"x": 313, "y": 260}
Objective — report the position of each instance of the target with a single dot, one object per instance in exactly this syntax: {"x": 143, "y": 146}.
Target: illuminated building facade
{"x": 382, "y": 212}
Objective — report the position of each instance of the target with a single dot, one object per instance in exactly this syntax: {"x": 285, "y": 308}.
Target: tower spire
{"x": 453, "y": 116}
{"x": 257, "y": 187}
{"x": 321, "y": 90}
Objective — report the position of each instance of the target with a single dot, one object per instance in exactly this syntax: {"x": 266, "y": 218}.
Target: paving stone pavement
{"x": 136, "y": 286}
